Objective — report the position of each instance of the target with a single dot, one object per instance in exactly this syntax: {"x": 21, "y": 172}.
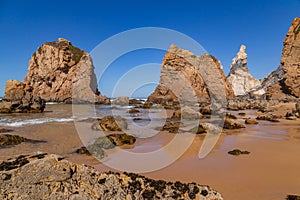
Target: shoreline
{"x": 269, "y": 171}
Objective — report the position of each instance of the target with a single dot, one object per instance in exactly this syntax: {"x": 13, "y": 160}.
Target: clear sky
{"x": 219, "y": 26}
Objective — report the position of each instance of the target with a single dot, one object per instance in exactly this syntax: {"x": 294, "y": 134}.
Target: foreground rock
{"x": 18, "y": 99}
{"x": 111, "y": 123}
{"x": 52, "y": 177}
{"x": 181, "y": 81}
{"x": 187, "y": 113}
{"x": 239, "y": 77}
{"x": 6, "y": 140}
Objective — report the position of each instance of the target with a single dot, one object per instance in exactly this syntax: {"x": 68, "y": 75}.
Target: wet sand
{"x": 270, "y": 171}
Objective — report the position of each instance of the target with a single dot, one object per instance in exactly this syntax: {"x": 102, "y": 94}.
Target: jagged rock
{"x": 123, "y": 100}
{"x": 181, "y": 83}
{"x": 18, "y": 99}
{"x": 52, "y": 177}
{"x": 239, "y": 77}
{"x": 288, "y": 83}
{"x": 111, "y": 123}
{"x": 61, "y": 72}
{"x": 135, "y": 102}
{"x": 250, "y": 121}
{"x": 232, "y": 124}
{"x": 6, "y": 140}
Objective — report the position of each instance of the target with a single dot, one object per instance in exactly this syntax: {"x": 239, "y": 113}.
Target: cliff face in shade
{"x": 180, "y": 78}
{"x": 58, "y": 66}
{"x": 239, "y": 77}
{"x": 288, "y": 84}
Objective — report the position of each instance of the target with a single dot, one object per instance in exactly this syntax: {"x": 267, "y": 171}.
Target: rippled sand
{"x": 270, "y": 171}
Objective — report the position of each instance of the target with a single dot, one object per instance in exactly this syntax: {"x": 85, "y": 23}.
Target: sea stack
{"x": 239, "y": 77}
{"x": 180, "y": 79}
{"x": 61, "y": 72}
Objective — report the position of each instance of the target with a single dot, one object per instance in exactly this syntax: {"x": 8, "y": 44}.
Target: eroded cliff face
{"x": 61, "y": 72}
{"x": 239, "y": 77}
{"x": 185, "y": 76}
{"x": 288, "y": 83}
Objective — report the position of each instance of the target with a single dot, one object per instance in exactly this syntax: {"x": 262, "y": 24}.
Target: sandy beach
{"x": 270, "y": 171}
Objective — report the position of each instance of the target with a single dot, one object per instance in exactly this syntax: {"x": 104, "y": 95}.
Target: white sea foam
{"x": 33, "y": 121}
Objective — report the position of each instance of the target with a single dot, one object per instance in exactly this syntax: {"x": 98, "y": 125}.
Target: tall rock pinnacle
{"x": 239, "y": 77}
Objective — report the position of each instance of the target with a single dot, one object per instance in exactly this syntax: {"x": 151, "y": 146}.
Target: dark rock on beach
{"x": 52, "y": 177}
{"x": 6, "y": 140}
{"x": 237, "y": 152}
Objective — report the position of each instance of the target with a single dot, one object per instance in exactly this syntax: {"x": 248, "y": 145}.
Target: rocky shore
{"x": 45, "y": 176}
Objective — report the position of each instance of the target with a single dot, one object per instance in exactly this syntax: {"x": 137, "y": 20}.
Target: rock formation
{"x": 60, "y": 72}
{"x": 19, "y": 99}
{"x": 284, "y": 82}
{"x": 180, "y": 78}
{"x": 51, "y": 177}
{"x": 290, "y": 62}
{"x": 239, "y": 77}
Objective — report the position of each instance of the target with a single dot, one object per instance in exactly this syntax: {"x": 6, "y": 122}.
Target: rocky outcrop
{"x": 19, "y": 99}
{"x": 61, "y": 72}
{"x": 180, "y": 80}
{"x": 242, "y": 82}
{"x": 288, "y": 73}
{"x": 51, "y": 177}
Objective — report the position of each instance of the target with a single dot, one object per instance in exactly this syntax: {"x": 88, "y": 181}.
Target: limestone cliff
{"x": 239, "y": 77}
{"x": 181, "y": 78}
{"x": 61, "y": 72}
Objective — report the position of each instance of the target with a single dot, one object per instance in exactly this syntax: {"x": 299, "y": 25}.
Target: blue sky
{"x": 219, "y": 26}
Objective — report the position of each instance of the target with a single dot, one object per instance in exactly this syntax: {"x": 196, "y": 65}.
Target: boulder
{"x": 111, "y": 123}
{"x": 232, "y": 124}
{"x": 250, "y": 121}
{"x": 52, "y": 177}
{"x": 242, "y": 82}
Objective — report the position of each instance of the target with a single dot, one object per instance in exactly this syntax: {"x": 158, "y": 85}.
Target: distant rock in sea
{"x": 239, "y": 77}
{"x": 45, "y": 176}
{"x": 180, "y": 78}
